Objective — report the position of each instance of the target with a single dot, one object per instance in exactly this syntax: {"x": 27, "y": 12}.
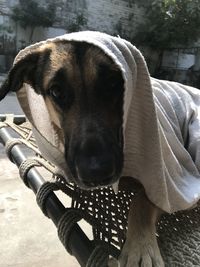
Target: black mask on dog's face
{"x": 83, "y": 90}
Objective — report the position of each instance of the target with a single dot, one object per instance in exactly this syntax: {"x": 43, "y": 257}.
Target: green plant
{"x": 6, "y": 28}
{"x": 78, "y": 23}
{"x": 31, "y": 14}
{"x": 168, "y": 24}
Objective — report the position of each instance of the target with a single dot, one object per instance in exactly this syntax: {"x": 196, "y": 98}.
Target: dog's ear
{"x": 25, "y": 70}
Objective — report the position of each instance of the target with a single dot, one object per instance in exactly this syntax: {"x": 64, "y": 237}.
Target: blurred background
{"x": 168, "y": 34}
{"x": 167, "y": 31}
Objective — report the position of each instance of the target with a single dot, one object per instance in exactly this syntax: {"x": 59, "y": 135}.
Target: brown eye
{"x": 56, "y": 93}
{"x": 61, "y": 96}
{"x": 113, "y": 86}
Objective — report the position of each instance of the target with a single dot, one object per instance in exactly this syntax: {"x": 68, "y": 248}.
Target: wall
{"x": 114, "y": 16}
{"x": 40, "y": 33}
{"x": 117, "y": 17}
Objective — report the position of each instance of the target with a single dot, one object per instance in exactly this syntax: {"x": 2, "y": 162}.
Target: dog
{"x": 83, "y": 91}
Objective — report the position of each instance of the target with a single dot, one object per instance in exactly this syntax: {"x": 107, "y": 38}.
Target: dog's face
{"x": 83, "y": 90}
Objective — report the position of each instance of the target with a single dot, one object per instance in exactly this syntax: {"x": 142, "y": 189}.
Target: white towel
{"x": 161, "y": 126}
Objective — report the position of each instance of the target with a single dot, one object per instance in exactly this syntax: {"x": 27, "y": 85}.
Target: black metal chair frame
{"x": 80, "y": 246}
{"x": 179, "y": 233}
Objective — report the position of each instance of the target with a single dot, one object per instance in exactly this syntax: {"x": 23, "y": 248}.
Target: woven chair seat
{"x": 107, "y": 212}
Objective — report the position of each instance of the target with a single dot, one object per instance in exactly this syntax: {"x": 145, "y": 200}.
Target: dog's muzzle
{"x": 95, "y": 164}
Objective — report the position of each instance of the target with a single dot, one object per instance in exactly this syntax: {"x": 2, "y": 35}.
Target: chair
{"x": 105, "y": 211}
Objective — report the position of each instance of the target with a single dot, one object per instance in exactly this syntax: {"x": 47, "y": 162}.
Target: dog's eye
{"x": 113, "y": 85}
{"x": 110, "y": 83}
{"x": 61, "y": 96}
{"x": 109, "y": 90}
{"x": 55, "y": 92}
{"x": 112, "y": 88}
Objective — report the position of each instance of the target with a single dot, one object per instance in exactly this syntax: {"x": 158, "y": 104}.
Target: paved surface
{"x": 27, "y": 237}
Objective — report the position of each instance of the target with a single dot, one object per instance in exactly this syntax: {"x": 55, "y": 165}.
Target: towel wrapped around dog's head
{"x": 160, "y": 124}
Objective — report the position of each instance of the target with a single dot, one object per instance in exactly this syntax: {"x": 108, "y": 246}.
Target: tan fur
{"x": 59, "y": 58}
{"x": 141, "y": 244}
{"x": 63, "y": 56}
{"x": 141, "y": 248}
{"x": 53, "y": 112}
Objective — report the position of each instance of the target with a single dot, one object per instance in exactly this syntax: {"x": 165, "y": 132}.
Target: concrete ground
{"x": 27, "y": 237}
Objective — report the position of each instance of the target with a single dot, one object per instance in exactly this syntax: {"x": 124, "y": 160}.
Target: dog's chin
{"x": 90, "y": 184}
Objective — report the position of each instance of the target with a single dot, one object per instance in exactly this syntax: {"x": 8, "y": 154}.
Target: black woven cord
{"x": 9, "y": 145}
{"x": 66, "y": 224}
{"x": 98, "y": 258}
{"x": 24, "y": 168}
{"x": 43, "y": 194}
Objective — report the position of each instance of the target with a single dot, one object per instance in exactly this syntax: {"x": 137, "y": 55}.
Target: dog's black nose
{"x": 94, "y": 164}
{"x": 95, "y": 170}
